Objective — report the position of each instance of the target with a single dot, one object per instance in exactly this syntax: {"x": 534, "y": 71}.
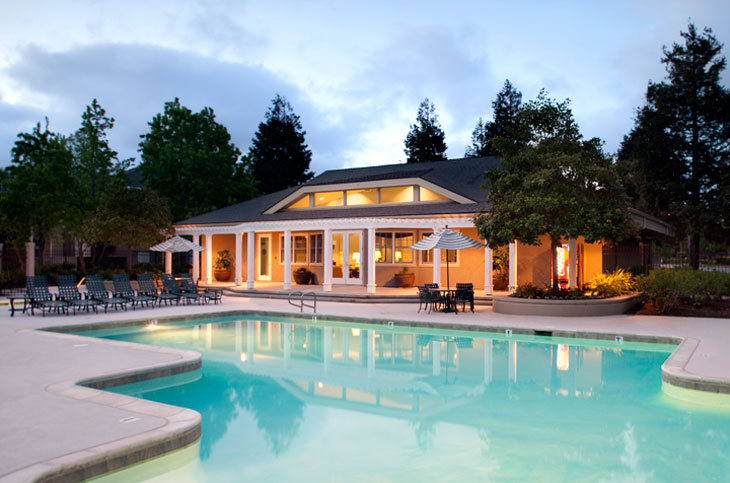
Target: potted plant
{"x": 405, "y": 278}
{"x": 302, "y": 276}
{"x": 500, "y": 262}
{"x": 222, "y": 266}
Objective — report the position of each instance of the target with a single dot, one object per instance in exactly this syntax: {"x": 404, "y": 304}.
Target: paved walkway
{"x": 48, "y": 422}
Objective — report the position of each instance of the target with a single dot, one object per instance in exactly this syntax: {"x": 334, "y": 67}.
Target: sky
{"x": 354, "y": 71}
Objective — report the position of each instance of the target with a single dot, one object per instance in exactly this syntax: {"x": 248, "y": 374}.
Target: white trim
{"x": 239, "y": 259}
{"x": 287, "y": 260}
{"x": 488, "y": 272}
{"x": 250, "y": 256}
{"x": 386, "y": 183}
{"x": 208, "y": 259}
{"x": 196, "y": 260}
{"x": 258, "y": 257}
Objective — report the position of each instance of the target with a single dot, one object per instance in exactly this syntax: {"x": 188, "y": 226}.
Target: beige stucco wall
{"x": 592, "y": 260}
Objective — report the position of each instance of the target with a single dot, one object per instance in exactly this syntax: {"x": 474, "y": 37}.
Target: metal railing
{"x": 302, "y": 303}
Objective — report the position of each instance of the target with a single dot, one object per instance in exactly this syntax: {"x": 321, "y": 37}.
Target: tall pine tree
{"x": 505, "y": 107}
{"x": 425, "y": 141}
{"x": 280, "y": 156}
{"x": 677, "y": 157}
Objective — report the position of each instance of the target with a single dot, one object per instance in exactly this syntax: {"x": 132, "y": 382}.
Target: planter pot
{"x": 222, "y": 275}
{"x": 565, "y": 308}
{"x": 302, "y": 278}
{"x": 403, "y": 280}
{"x": 499, "y": 283}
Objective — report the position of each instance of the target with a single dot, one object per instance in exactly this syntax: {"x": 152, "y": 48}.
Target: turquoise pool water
{"x": 290, "y": 400}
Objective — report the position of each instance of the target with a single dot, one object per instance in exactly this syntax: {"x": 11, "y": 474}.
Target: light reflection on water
{"x": 301, "y": 401}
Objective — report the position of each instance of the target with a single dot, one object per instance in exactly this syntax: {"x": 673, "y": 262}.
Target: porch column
{"x": 196, "y": 260}
{"x": 287, "y": 259}
{"x": 512, "y": 266}
{"x": 437, "y": 265}
{"x": 327, "y": 286}
{"x": 487, "y": 270}
{"x": 572, "y": 263}
{"x": 239, "y": 258}
{"x": 30, "y": 257}
{"x": 250, "y": 262}
{"x": 168, "y": 262}
{"x": 208, "y": 258}
{"x": 371, "y": 260}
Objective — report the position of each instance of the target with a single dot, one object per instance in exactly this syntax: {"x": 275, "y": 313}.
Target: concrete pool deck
{"x": 53, "y": 428}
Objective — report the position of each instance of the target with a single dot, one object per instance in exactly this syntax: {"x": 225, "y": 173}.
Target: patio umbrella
{"x": 447, "y": 240}
{"x": 177, "y": 244}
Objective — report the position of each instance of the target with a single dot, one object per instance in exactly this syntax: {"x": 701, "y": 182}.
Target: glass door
{"x": 346, "y": 257}
{"x": 263, "y": 261}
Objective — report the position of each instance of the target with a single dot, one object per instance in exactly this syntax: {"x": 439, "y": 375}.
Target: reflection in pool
{"x": 287, "y": 399}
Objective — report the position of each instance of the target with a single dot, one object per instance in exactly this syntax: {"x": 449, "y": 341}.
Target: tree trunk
{"x": 40, "y": 248}
{"x": 82, "y": 262}
{"x": 554, "y": 251}
{"x": 129, "y": 258}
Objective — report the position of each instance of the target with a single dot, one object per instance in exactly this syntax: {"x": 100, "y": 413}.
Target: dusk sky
{"x": 355, "y": 71}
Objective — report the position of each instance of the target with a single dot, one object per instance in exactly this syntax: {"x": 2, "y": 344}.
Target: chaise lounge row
{"x": 39, "y": 297}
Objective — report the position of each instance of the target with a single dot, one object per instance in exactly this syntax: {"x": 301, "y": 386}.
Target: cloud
{"x": 132, "y": 82}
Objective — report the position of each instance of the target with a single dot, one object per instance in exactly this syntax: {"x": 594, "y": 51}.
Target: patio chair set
{"x": 38, "y": 297}
{"x": 432, "y": 298}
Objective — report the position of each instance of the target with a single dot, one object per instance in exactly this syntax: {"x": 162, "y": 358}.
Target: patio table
{"x": 13, "y": 298}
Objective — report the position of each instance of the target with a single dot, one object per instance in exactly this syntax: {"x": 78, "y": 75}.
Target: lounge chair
{"x": 123, "y": 289}
{"x": 40, "y": 298}
{"x": 97, "y": 291}
{"x": 170, "y": 285}
{"x": 210, "y": 294}
{"x": 69, "y": 292}
{"x": 147, "y": 286}
{"x": 464, "y": 294}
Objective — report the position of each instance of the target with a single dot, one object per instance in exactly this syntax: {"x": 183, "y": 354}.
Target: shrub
{"x": 611, "y": 284}
{"x": 531, "y": 291}
{"x": 667, "y": 288}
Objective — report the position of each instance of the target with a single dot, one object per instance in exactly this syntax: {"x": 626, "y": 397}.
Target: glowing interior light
{"x": 356, "y": 332}
{"x": 244, "y": 357}
{"x": 320, "y": 385}
{"x": 563, "y": 360}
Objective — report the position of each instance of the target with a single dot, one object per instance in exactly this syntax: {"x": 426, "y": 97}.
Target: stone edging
{"x": 505, "y": 304}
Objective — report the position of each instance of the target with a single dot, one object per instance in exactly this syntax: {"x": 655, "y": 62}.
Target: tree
{"x": 506, "y": 107}
{"x": 677, "y": 157}
{"x": 39, "y": 187}
{"x": 280, "y": 156}
{"x": 132, "y": 217}
{"x": 189, "y": 159}
{"x": 557, "y": 184}
{"x": 97, "y": 170}
{"x": 425, "y": 141}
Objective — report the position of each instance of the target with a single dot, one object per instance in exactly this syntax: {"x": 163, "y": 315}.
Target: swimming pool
{"x": 286, "y": 399}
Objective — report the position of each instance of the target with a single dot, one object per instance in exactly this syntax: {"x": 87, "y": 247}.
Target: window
{"x": 427, "y": 255}
{"x": 362, "y": 197}
{"x": 329, "y": 198}
{"x": 302, "y": 202}
{"x": 426, "y": 194}
{"x": 298, "y": 249}
{"x": 393, "y": 247}
{"x": 315, "y": 248}
{"x": 396, "y": 194}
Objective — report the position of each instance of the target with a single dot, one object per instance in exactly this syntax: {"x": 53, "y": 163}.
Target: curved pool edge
{"x": 182, "y": 426}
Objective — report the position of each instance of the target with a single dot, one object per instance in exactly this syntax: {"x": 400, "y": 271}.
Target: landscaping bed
{"x": 719, "y": 309}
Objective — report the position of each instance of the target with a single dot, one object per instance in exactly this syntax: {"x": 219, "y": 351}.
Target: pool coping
{"x": 182, "y": 426}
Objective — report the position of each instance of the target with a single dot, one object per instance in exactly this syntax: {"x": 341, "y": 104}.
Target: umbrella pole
{"x": 448, "y": 285}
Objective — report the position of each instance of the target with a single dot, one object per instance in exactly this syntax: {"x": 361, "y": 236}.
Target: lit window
{"x": 302, "y": 202}
{"x": 396, "y": 194}
{"x": 298, "y": 249}
{"x": 393, "y": 247}
{"x": 403, "y": 252}
{"x": 383, "y": 247}
{"x": 315, "y": 248}
{"x": 427, "y": 255}
{"x": 426, "y": 194}
{"x": 328, "y": 198}
{"x": 362, "y": 197}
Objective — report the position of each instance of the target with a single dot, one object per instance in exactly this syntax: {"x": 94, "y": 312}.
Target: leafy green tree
{"x": 425, "y": 141}
{"x": 280, "y": 156}
{"x": 38, "y": 188}
{"x": 189, "y": 159}
{"x": 97, "y": 171}
{"x": 557, "y": 184}
{"x": 506, "y": 107}
{"x": 132, "y": 218}
{"x": 676, "y": 160}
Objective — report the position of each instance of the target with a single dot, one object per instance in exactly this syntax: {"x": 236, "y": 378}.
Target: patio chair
{"x": 123, "y": 289}
{"x": 428, "y": 299}
{"x": 464, "y": 294}
{"x": 170, "y": 286}
{"x": 147, "y": 286}
{"x": 209, "y": 294}
{"x": 36, "y": 287}
{"x": 68, "y": 291}
{"x": 97, "y": 290}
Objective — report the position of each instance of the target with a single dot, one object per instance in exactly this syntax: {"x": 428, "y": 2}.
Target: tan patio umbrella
{"x": 447, "y": 239}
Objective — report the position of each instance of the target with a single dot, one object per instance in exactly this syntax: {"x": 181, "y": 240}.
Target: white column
{"x": 371, "y": 260}
{"x": 196, "y": 260}
{"x": 239, "y": 258}
{"x": 327, "y": 344}
{"x": 287, "y": 259}
{"x": 512, "y": 266}
{"x": 437, "y": 265}
{"x": 436, "y": 357}
{"x": 327, "y": 286}
{"x": 208, "y": 258}
{"x": 488, "y": 358}
{"x": 250, "y": 341}
{"x": 572, "y": 263}
{"x": 487, "y": 270}
{"x": 30, "y": 258}
{"x": 208, "y": 337}
{"x": 250, "y": 258}
{"x": 512, "y": 362}
{"x": 168, "y": 262}
{"x": 370, "y": 334}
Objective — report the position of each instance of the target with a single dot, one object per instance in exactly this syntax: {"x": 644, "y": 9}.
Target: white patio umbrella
{"x": 447, "y": 239}
{"x": 174, "y": 245}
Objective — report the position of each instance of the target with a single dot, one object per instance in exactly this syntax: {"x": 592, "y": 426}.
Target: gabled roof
{"x": 463, "y": 177}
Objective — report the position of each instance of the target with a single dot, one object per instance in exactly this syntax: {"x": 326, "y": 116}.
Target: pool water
{"x": 291, "y": 400}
